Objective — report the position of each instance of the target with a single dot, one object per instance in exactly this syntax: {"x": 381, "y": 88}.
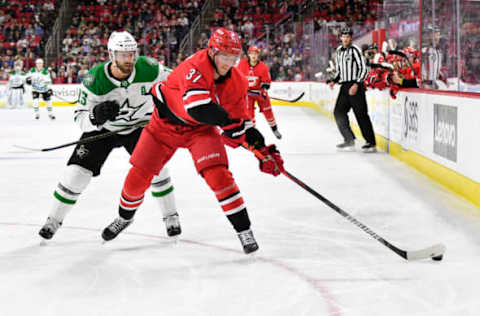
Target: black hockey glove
{"x": 49, "y": 93}
{"x": 28, "y": 81}
{"x": 105, "y": 111}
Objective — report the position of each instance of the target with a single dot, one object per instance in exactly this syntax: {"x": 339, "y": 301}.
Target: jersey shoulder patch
{"x": 97, "y": 82}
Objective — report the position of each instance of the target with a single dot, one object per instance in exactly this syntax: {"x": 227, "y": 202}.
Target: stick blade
{"x": 430, "y": 252}
{"x": 27, "y": 148}
{"x": 299, "y": 97}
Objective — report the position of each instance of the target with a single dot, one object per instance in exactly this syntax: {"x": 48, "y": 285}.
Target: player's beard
{"x": 125, "y": 68}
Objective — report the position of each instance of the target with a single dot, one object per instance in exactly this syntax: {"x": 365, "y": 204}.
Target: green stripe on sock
{"x": 163, "y": 193}
{"x": 62, "y": 199}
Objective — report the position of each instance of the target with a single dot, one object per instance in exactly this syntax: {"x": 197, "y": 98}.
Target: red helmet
{"x": 254, "y": 49}
{"x": 223, "y": 40}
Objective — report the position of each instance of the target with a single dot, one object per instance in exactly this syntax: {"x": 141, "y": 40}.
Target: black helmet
{"x": 373, "y": 46}
{"x": 346, "y": 30}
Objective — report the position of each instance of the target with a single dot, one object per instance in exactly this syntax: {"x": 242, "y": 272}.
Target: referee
{"x": 351, "y": 71}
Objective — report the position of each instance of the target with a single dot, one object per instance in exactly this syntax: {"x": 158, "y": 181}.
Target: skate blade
{"x": 174, "y": 240}
{"x": 347, "y": 149}
{"x": 43, "y": 242}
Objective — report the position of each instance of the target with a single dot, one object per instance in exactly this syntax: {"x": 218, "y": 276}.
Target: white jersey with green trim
{"x": 41, "y": 80}
{"x": 16, "y": 79}
{"x": 132, "y": 94}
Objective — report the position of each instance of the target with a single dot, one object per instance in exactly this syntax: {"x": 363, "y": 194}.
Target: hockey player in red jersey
{"x": 259, "y": 81}
{"x": 203, "y": 93}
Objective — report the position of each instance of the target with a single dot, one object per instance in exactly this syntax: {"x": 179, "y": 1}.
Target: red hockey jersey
{"x": 255, "y": 75}
{"x": 191, "y": 84}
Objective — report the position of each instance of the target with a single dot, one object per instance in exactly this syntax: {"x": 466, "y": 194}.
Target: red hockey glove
{"x": 273, "y": 162}
{"x": 264, "y": 94}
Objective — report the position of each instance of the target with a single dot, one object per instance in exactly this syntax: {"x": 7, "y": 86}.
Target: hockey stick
{"x": 435, "y": 252}
{"x": 292, "y": 100}
{"x": 402, "y": 54}
{"x": 84, "y": 140}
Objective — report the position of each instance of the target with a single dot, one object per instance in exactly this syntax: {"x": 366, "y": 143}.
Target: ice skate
{"x": 172, "y": 224}
{"x": 115, "y": 228}
{"x": 37, "y": 116}
{"x": 346, "y": 146}
{"x": 369, "y": 148}
{"x": 51, "y": 116}
{"x": 50, "y": 228}
{"x": 248, "y": 242}
{"x": 276, "y": 132}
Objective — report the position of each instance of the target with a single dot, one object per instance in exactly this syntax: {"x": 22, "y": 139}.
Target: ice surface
{"x": 311, "y": 260}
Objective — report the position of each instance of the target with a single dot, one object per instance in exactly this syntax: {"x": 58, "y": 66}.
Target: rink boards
{"x": 432, "y": 131}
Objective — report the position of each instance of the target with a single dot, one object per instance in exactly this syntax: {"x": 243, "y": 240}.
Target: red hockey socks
{"x": 221, "y": 181}
{"x": 136, "y": 183}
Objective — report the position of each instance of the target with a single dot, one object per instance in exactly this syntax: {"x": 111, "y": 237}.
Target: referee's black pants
{"x": 358, "y": 103}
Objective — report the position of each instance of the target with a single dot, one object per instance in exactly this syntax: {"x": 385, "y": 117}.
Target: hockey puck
{"x": 437, "y": 258}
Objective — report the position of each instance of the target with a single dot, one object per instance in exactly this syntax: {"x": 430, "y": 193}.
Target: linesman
{"x": 351, "y": 71}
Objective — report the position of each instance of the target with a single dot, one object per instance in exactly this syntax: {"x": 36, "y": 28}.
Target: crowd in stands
{"x": 282, "y": 29}
{"x": 24, "y": 28}
{"x": 158, "y": 26}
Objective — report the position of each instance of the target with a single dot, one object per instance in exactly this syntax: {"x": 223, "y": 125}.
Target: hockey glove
{"x": 28, "y": 81}
{"x": 264, "y": 94}
{"x": 103, "y": 112}
{"x": 272, "y": 162}
{"x": 234, "y": 133}
{"x": 49, "y": 93}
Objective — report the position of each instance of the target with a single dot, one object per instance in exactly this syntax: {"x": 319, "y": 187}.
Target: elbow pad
{"x": 211, "y": 114}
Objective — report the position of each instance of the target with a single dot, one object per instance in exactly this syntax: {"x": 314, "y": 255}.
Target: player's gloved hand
{"x": 234, "y": 133}
{"x": 104, "y": 111}
{"x": 28, "y": 81}
{"x": 272, "y": 162}
{"x": 264, "y": 94}
{"x": 49, "y": 92}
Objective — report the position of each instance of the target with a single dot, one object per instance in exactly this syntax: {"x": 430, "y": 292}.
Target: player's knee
{"x": 218, "y": 178}
{"x": 161, "y": 181}
{"x": 76, "y": 178}
{"x": 137, "y": 181}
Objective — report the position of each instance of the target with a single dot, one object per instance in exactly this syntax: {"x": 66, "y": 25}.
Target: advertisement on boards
{"x": 445, "y": 131}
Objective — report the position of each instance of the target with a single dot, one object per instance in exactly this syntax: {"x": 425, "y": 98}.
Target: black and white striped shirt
{"x": 350, "y": 65}
{"x": 432, "y": 64}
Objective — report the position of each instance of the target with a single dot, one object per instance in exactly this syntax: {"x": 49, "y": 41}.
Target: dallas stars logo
{"x": 132, "y": 110}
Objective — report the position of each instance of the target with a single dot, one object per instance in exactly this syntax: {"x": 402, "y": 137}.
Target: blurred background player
{"x": 114, "y": 95}
{"x": 259, "y": 82}
{"x": 15, "y": 86}
{"x": 41, "y": 83}
{"x": 204, "y": 92}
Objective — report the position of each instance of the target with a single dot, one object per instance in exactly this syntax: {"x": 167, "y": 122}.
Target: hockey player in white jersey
{"x": 15, "y": 86}
{"x": 114, "y": 95}
{"x": 39, "y": 78}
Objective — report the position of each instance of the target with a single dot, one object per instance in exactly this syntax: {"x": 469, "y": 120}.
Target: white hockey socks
{"x": 162, "y": 191}
{"x": 75, "y": 179}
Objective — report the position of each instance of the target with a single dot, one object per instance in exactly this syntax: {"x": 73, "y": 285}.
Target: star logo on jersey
{"x": 124, "y": 84}
{"x": 130, "y": 111}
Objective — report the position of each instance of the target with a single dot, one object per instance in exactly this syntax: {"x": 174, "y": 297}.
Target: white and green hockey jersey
{"x": 41, "y": 80}
{"x": 16, "y": 79}
{"x": 136, "y": 105}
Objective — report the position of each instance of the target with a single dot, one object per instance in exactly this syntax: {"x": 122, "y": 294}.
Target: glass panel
{"x": 470, "y": 46}
{"x": 439, "y": 44}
